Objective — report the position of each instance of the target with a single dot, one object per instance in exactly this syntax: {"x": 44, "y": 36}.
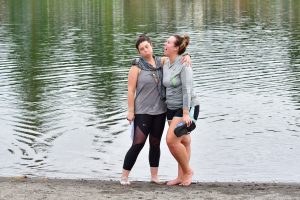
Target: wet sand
{"x": 41, "y": 188}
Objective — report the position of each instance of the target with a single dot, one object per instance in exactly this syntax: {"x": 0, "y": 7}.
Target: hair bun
{"x": 186, "y": 40}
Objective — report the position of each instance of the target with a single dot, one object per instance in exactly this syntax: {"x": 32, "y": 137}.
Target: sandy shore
{"x": 40, "y": 188}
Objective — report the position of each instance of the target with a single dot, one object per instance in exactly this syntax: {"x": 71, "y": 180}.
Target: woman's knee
{"x": 171, "y": 141}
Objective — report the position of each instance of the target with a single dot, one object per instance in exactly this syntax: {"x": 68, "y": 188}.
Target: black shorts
{"x": 194, "y": 113}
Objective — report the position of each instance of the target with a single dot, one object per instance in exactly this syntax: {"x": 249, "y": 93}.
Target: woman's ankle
{"x": 125, "y": 174}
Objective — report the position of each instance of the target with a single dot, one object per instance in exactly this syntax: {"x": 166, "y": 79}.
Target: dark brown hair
{"x": 182, "y": 42}
{"x": 142, "y": 38}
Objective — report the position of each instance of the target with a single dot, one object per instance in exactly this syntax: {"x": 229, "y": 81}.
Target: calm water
{"x": 63, "y": 72}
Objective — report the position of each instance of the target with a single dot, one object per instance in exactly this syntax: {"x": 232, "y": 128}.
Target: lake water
{"x": 63, "y": 72}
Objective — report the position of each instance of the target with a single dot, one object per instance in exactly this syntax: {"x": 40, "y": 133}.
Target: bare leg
{"x": 186, "y": 141}
{"x": 154, "y": 176}
{"x": 177, "y": 180}
{"x": 180, "y": 153}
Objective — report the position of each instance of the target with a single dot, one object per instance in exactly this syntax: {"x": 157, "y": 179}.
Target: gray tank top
{"x": 148, "y": 99}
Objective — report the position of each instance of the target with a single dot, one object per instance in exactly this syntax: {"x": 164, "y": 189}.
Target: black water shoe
{"x": 183, "y": 129}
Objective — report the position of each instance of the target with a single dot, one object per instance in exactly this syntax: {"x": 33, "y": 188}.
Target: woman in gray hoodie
{"x": 182, "y": 106}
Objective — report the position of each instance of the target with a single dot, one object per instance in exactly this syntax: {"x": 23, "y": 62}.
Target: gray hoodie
{"x": 178, "y": 80}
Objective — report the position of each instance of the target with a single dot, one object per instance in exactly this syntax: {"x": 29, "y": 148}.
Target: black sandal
{"x": 184, "y": 129}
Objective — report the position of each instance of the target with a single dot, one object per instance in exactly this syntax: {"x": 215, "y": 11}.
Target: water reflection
{"x": 64, "y": 74}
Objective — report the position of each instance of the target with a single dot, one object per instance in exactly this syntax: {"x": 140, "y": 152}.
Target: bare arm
{"x": 163, "y": 60}
{"x": 132, "y": 80}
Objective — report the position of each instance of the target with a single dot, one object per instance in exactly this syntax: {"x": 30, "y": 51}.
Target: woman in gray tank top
{"x": 146, "y": 107}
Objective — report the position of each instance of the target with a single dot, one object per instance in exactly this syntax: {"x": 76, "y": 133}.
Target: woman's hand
{"x": 130, "y": 117}
{"x": 186, "y": 119}
{"x": 187, "y": 59}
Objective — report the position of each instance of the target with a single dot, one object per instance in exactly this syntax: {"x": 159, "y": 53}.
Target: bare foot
{"x": 174, "y": 182}
{"x": 124, "y": 181}
{"x": 187, "y": 179}
{"x": 157, "y": 181}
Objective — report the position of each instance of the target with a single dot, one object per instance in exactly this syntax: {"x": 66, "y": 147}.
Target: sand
{"x": 42, "y": 188}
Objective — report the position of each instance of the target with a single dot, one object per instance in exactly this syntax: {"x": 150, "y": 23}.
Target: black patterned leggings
{"x": 145, "y": 125}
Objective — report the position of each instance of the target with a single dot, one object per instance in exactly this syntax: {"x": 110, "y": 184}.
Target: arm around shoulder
{"x": 163, "y": 60}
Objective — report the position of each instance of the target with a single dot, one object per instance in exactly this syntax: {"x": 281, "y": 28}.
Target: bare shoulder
{"x": 134, "y": 70}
